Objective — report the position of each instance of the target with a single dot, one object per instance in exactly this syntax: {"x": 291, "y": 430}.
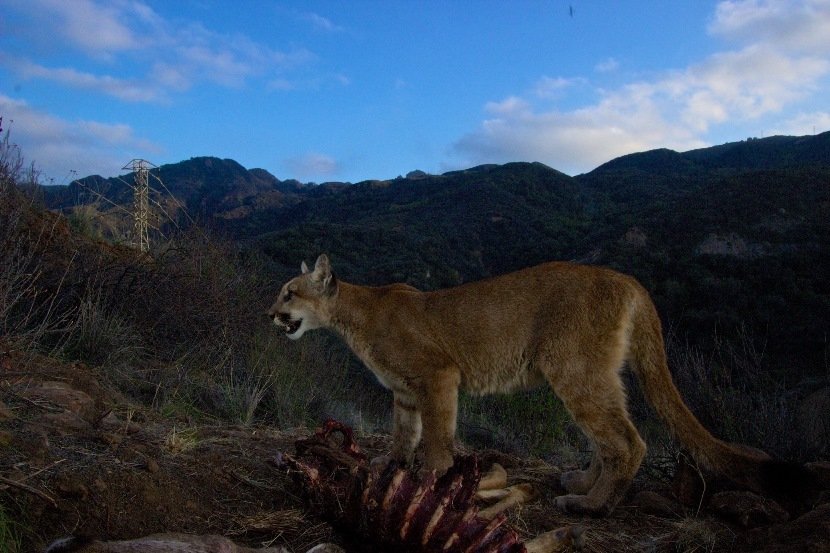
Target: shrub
{"x": 100, "y": 336}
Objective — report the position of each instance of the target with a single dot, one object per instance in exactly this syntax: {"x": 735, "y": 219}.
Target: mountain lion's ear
{"x": 322, "y": 268}
{"x": 303, "y": 268}
{"x": 322, "y": 274}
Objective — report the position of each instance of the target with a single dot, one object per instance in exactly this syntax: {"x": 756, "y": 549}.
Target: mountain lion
{"x": 571, "y": 326}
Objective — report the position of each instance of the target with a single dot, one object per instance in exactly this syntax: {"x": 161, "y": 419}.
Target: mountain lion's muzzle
{"x": 284, "y": 321}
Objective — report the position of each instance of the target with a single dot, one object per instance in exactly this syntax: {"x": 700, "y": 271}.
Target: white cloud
{"x": 65, "y": 146}
{"x": 312, "y": 165}
{"x": 169, "y": 76}
{"x": 742, "y": 85}
{"x": 316, "y": 83}
{"x": 607, "y": 66}
{"x": 321, "y": 23}
{"x": 552, "y": 87}
{"x": 575, "y": 141}
{"x": 796, "y": 26}
{"x": 784, "y": 60}
{"x": 185, "y": 53}
{"x": 805, "y": 123}
{"x": 99, "y": 30}
{"x": 509, "y": 106}
{"x": 124, "y": 89}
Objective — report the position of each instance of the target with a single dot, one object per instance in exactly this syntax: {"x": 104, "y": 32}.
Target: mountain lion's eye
{"x": 288, "y": 295}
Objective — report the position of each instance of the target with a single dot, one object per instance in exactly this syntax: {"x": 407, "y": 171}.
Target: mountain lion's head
{"x": 303, "y": 302}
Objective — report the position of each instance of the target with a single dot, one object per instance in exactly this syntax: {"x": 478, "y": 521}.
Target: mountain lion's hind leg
{"x": 580, "y": 482}
{"x": 597, "y": 404}
{"x": 621, "y": 451}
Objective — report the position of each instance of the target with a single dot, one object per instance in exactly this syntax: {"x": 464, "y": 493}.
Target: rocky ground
{"x": 78, "y": 458}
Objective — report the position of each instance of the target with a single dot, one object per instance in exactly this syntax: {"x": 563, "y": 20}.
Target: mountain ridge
{"x": 208, "y": 183}
{"x": 775, "y": 152}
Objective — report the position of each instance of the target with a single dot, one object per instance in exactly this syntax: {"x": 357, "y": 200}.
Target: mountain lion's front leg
{"x": 406, "y": 432}
{"x": 439, "y": 407}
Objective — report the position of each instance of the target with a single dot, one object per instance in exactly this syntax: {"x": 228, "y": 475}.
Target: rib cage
{"x": 391, "y": 506}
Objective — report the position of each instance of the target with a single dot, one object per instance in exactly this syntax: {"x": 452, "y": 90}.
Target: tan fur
{"x": 569, "y": 325}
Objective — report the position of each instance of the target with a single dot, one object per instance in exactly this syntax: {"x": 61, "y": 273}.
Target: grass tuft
{"x": 10, "y": 537}
{"x": 181, "y": 440}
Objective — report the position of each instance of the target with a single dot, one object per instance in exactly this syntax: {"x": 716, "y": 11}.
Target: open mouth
{"x": 288, "y": 325}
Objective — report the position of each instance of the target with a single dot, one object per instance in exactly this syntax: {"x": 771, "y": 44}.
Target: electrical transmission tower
{"x": 141, "y": 201}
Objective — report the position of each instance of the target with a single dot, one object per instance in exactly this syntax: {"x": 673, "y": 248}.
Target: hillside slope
{"x": 81, "y": 458}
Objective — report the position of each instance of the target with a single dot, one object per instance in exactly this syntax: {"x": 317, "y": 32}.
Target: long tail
{"x": 647, "y": 357}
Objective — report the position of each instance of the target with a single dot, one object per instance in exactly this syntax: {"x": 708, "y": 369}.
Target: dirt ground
{"x": 77, "y": 458}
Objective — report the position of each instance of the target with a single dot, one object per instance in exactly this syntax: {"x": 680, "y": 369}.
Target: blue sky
{"x": 325, "y": 90}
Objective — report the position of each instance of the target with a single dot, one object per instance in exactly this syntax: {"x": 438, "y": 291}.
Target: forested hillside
{"x": 731, "y": 240}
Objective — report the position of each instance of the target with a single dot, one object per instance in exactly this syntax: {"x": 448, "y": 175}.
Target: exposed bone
{"x": 514, "y": 495}
{"x": 494, "y": 479}
{"x": 326, "y": 548}
{"x": 492, "y": 495}
{"x": 558, "y": 540}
